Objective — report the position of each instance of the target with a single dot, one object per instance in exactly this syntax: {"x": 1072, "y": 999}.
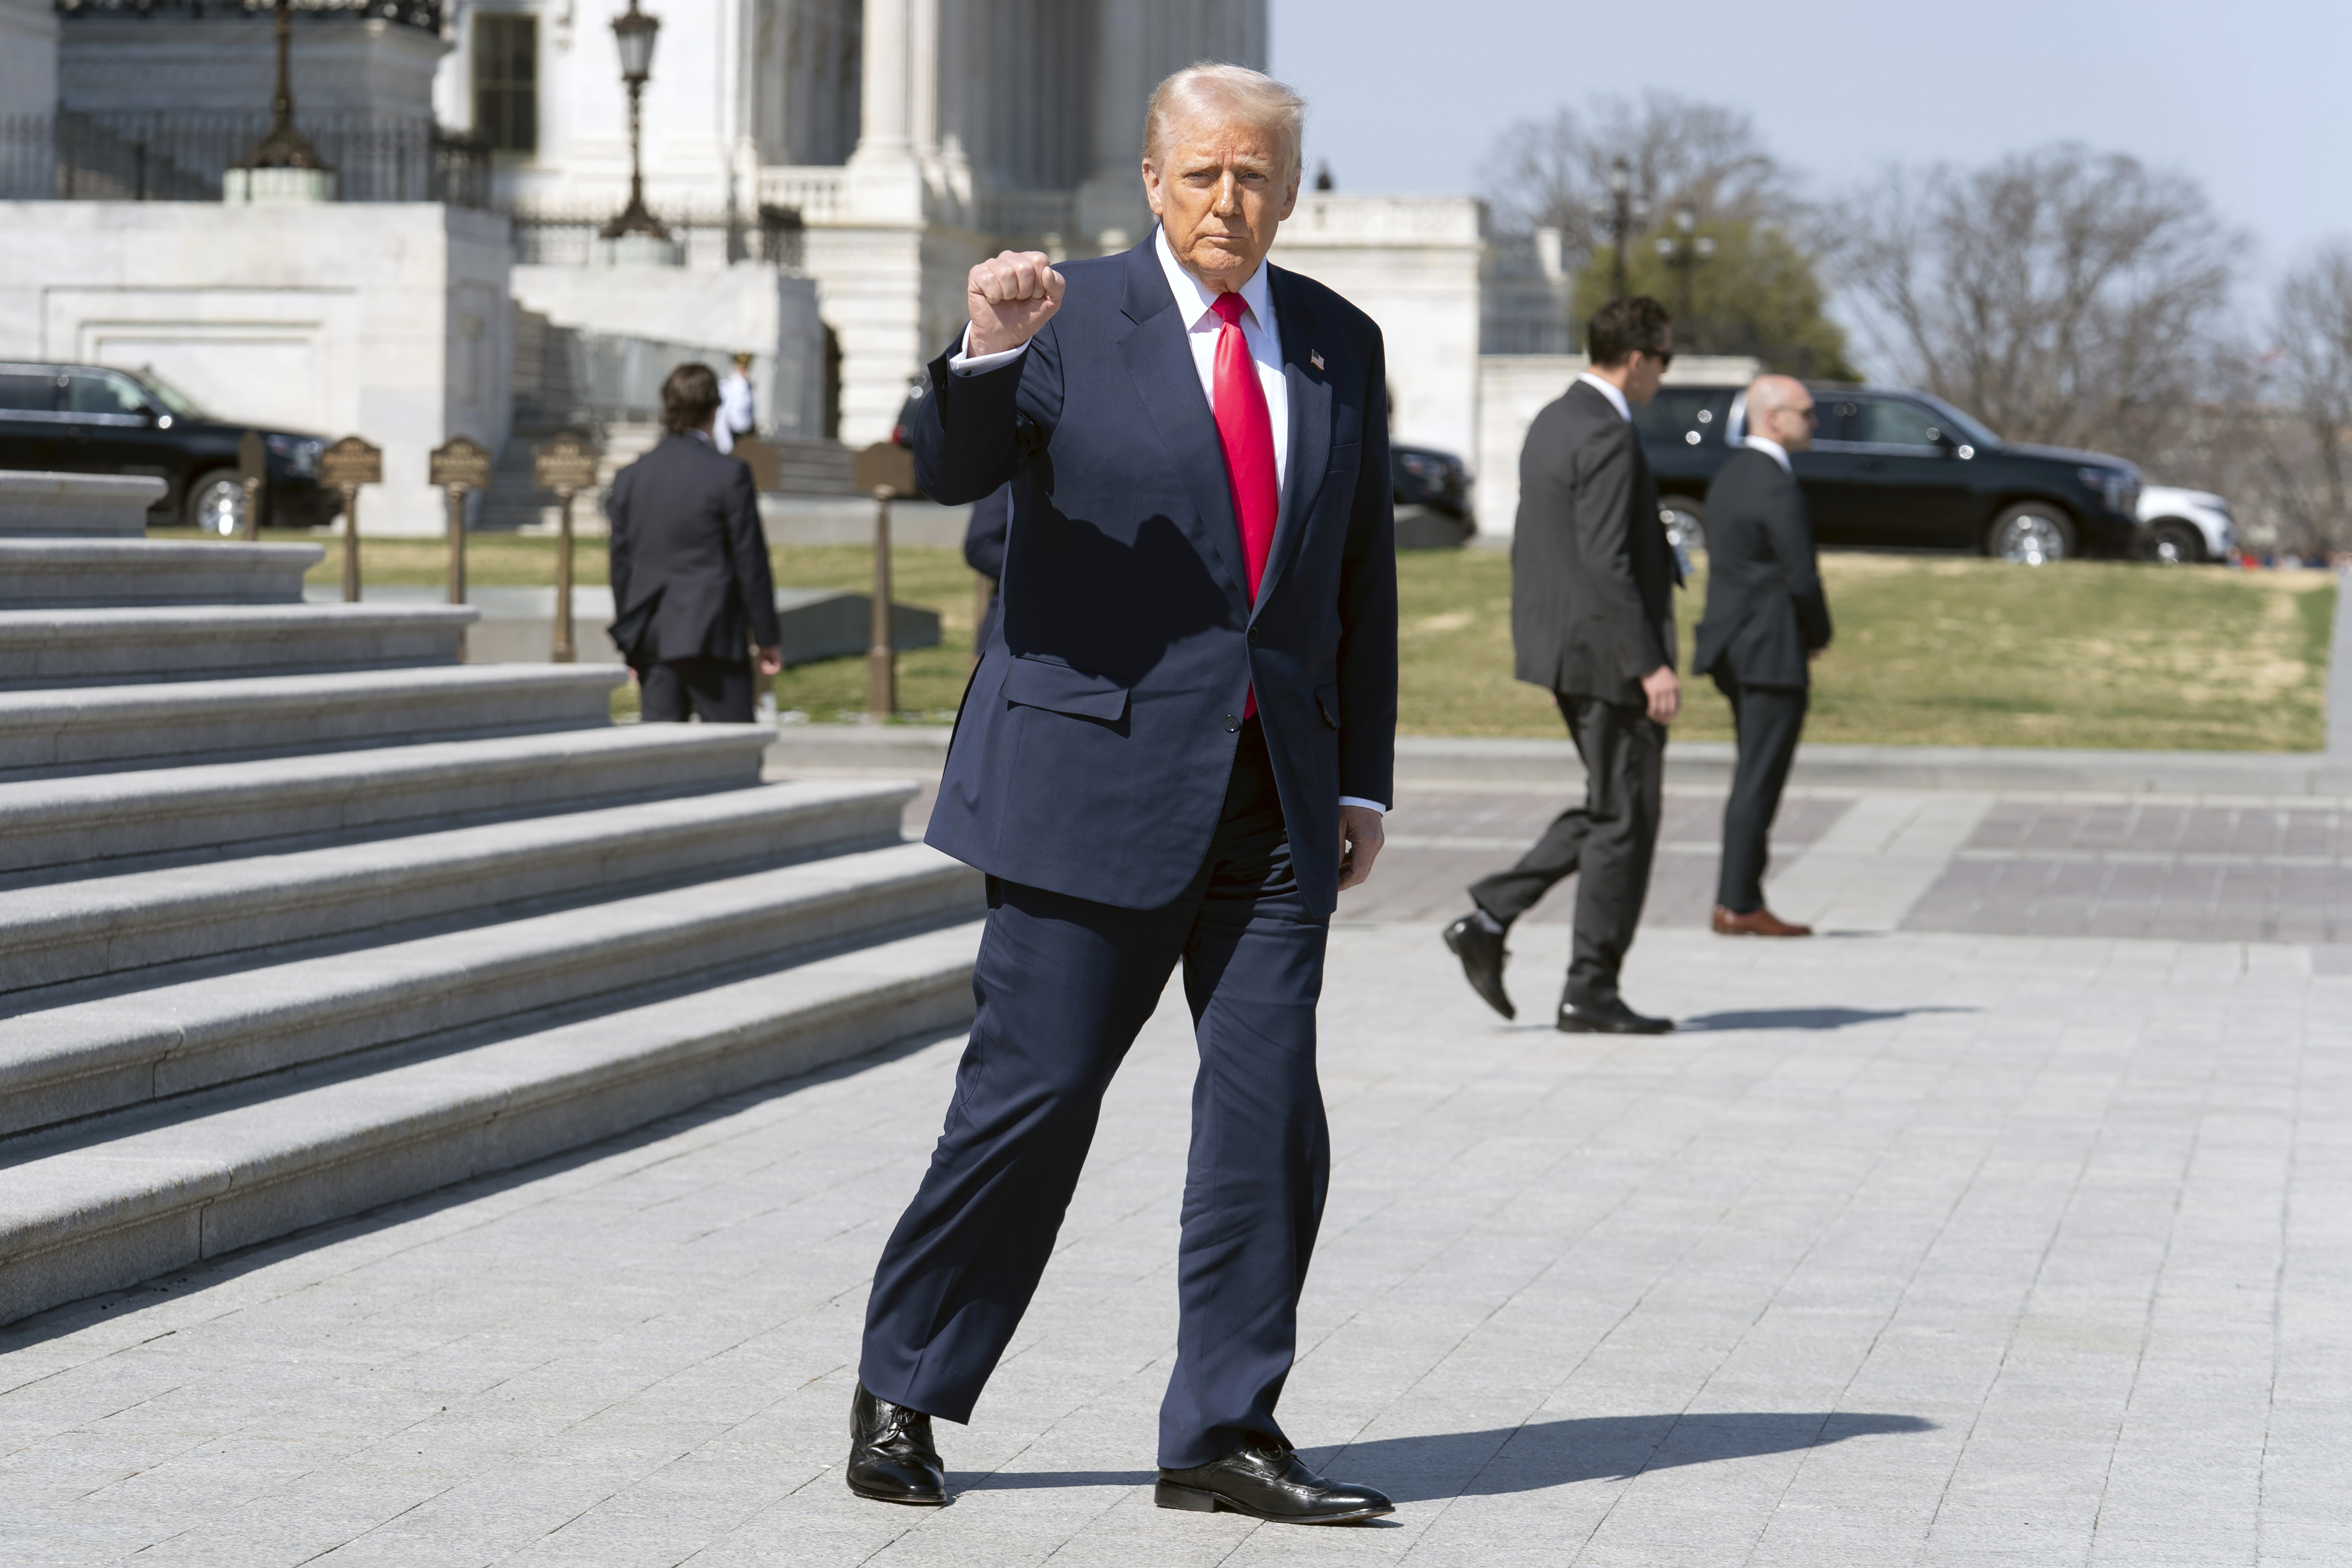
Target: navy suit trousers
{"x": 1064, "y": 985}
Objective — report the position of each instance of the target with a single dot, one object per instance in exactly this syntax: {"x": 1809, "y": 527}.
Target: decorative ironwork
{"x": 635, "y": 32}
{"x": 156, "y": 155}
{"x": 706, "y": 238}
{"x": 424, "y": 15}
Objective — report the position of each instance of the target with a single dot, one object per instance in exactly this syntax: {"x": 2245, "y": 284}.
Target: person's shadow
{"x": 1802, "y": 1019}
{"x": 1540, "y": 1453}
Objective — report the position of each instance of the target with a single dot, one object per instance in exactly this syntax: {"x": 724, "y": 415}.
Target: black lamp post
{"x": 634, "y": 31}
{"x": 284, "y": 147}
{"x": 1621, "y": 214}
{"x": 1684, "y": 250}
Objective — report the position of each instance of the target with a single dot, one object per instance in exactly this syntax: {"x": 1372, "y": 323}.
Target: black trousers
{"x": 1610, "y": 839}
{"x": 1064, "y": 985}
{"x": 718, "y": 689}
{"x": 1766, "y": 721}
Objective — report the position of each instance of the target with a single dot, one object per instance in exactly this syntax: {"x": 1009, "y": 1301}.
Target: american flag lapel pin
{"x": 1314, "y": 359}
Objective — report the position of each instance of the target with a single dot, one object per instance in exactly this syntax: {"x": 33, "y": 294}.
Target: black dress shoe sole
{"x": 1571, "y": 1026}
{"x": 1192, "y": 1499}
{"x": 906, "y": 1498}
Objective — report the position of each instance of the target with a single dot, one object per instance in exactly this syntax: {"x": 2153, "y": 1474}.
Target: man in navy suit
{"x": 1178, "y": 749}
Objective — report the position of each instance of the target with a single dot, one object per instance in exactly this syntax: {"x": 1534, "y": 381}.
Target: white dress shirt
{"x": 735, "y": 414}
{"x": 1610, "y": 391}
{"x": 1197, "y": 304}
{"x": 1774, "y": 450}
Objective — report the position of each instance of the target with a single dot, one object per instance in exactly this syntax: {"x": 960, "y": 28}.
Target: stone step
{"x": 110, "y": 824}
{"x": 85, "y": 729}
{"x": 58, "y": 648}
{"x": 39, "y": 574}
{"x": 103, "y": 934}
{"x": 126, "y": 1202}
{"x": 89, "y": 1058}
{"x": 88, "y": 506}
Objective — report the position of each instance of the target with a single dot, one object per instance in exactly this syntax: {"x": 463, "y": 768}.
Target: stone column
{"x": 884, "y": 132}
{"x": 1111, "y": 213}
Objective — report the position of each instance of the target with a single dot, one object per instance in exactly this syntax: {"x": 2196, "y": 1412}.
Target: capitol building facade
{"x": 824, "y": 173}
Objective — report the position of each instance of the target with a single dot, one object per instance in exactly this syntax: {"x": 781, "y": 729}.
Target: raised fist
{"x": 1011, "y": 299}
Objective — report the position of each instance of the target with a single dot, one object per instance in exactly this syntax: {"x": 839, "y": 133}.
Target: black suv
{"x": 1904, "y": 468}
{"x": 87, "y": 419}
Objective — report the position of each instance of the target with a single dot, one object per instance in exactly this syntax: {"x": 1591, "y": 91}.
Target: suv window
{"x": 1891, "y": 421}
{"x": 33, "y": 392}
{"x": 103, "y": 391}
{"x": 1677, "y": 413}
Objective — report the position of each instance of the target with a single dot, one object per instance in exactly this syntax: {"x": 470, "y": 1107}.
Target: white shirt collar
{"x": 1616, "y": 398}
{"x": 1774, "y": 450}
{"x": 1196, "y": 300}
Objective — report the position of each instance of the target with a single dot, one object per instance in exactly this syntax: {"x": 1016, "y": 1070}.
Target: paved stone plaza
{"x": 1913, "y": 1247}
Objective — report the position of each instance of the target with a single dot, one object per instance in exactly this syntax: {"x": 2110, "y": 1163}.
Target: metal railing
{"x": 424, "y": 15}
{"x": 180, "y": 155}
{"x": 567, "y": 236}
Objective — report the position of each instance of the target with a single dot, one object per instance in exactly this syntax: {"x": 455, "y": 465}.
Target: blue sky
{"x": 2253, "y": 98}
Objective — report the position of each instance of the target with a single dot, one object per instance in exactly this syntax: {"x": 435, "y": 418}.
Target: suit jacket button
{"x": 1231, "y": 723}
{"x": 1252, "y": 634}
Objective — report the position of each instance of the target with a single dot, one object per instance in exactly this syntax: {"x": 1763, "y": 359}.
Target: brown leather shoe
{"x": 1762, "y": 922}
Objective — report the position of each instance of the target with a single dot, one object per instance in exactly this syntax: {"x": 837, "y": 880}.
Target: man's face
{"x": 1224, "y": 187}
{"x": 1789, "y": 420}
{"x": 1644, "y": 371}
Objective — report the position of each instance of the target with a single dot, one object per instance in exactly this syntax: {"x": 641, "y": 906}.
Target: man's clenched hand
{"x": 1362, "y": 834}
{"x": 1011, "y": 299}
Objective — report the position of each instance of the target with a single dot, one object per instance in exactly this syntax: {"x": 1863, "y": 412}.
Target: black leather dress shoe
{"x": 891, "y": 1458}
{"x": 1610, "y": 1017}
{"x": 1481, "y": 952}
{"x": 1268, "y": 1484}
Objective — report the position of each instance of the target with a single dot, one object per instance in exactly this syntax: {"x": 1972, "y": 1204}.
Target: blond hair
{"x": 1209, "y": 88}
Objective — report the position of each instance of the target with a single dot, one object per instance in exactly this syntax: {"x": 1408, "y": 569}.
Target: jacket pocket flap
{"x": 1326, "y": 698}
{"x": 1032, "y": 683}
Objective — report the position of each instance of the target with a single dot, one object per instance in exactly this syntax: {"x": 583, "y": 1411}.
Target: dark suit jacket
{"x": 1098, "y": 735}
{"x": 1764, "y": 603}
{"x": 687, "y": 521}
{"x": 984, "y": 552}
{"x": 1592, "y": 574}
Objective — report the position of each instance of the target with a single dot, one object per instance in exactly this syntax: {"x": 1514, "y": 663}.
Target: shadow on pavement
{"x": 1532, "y": 1458}
{"x": 1597, "y": 1448}
{"x": 1803, "y": 1017}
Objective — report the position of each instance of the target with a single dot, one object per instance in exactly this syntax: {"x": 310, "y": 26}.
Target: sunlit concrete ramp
{"x": 299, "y": 915}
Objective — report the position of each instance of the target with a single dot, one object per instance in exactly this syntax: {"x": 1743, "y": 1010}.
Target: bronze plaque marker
{"x": 884, "y": 466}
{"x": 460, "y": 463}
{"x": 351, "y": 462}
{"x": 564, "y": 464}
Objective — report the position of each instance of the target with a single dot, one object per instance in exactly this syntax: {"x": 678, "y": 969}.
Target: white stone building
{"x": 829, "y": 170}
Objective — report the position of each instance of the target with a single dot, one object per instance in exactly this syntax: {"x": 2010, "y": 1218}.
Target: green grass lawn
{"x": 1930, "y": 650}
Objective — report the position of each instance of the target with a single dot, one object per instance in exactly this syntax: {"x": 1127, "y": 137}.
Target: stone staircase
{"x": 299, "y": 916}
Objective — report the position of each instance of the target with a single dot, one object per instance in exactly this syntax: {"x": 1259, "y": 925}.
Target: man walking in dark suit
{"x": 1176, "y": 751}
{"x": 1592, "y": 618}
{"x": 690, "y": 561}
{"x": 1766, "y": 619}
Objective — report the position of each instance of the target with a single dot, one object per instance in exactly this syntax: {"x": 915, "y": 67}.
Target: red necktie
{"x": 1246, "y": 433}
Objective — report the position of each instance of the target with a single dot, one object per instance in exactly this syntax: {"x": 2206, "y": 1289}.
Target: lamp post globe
{"x": 634, "y": 32}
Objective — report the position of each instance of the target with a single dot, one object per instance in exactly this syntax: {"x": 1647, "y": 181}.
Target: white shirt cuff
{"x": 1367, "y": 804}
{"x": 961, "y": 363}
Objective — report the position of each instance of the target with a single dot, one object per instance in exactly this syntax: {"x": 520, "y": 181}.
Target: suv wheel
{"x": 2033, "y": 534}
{"x": 216, "y": 504}
{"x": 2173, "y": 542}
{"x": 1685, "y": 521}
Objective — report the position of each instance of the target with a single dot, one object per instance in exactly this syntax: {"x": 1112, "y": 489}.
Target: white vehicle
{"x": 2185, "y": 527}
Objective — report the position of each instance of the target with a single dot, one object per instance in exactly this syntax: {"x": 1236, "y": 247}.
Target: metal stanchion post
{"x": 346, "y": 466}
{"x": 253, "y": 473}
{"x": 459, "y": 466}
{"x": 567, "y": 466}
{"x": 885, "y": 471}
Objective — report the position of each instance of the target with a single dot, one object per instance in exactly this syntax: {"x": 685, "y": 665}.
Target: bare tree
{"x": 2064, "y": 296}
{"x": 2312, "y": 322}
{"x": 1555, "y": 172}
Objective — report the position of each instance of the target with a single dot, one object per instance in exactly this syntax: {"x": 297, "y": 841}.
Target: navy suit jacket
{"x": 1097, "y": 738}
